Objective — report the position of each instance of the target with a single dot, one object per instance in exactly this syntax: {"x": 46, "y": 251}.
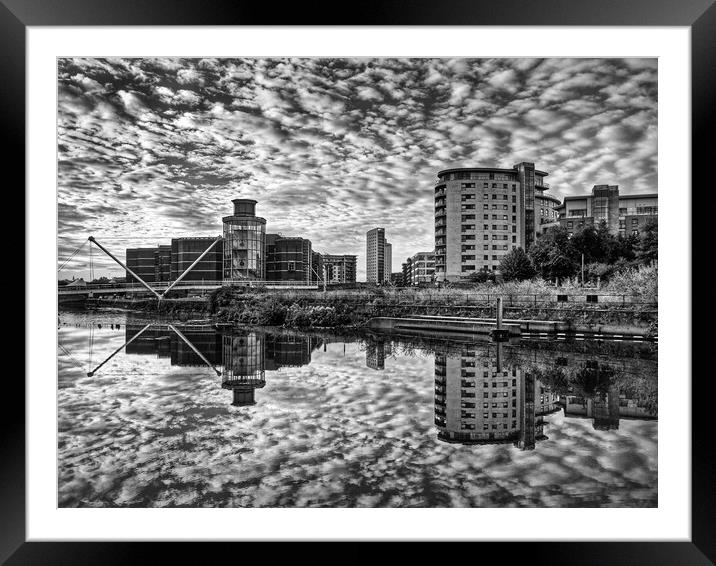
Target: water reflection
{"x": 244, "y": 356}
{"x": 370, "y": 420}
{"x": 480, "y": 399}
{"x": 484, "y": 393}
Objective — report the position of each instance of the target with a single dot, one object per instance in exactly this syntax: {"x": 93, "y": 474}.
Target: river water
{"x": 192, "y": 417}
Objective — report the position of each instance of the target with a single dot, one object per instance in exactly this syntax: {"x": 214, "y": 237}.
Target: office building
{"x": 244, "y": 244}
{"x": 165, "y": 263}
{"x": 378, "y": 256}
{"x": 142, "y": 261}
{"x": 483, "y": 213}
{"x": 316, "y": 267}
{"x": 288, "y": 258}
{"x": 419, "y": 269}
{"x": 623, "y": 214}
{"x": 340, "y": 268}
{"x": 185, "y": 251}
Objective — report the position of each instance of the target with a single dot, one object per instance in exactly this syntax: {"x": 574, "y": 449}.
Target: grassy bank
{"x": 630, "y": 298}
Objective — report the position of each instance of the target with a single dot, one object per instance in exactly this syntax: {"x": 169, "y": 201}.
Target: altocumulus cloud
{"x": 155, "y": 148}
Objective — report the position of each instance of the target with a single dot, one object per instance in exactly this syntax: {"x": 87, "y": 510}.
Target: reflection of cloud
{"x": 331, "y": 433}
{"x": 158, "y": 147}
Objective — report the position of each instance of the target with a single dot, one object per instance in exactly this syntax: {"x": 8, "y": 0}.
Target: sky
{"x": 150, "y": 149}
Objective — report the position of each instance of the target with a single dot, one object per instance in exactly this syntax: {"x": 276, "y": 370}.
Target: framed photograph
{"x": 387, "y": 278}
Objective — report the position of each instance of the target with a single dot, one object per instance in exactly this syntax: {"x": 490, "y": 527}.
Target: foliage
{"x": 517, "y": 265}
{"x": 647, "y": 249}
{"x": 557, "y": 255}
{"x": 314, "y": 316}
{"x": 482, "y": 276}
{"x": 552, "y": 254}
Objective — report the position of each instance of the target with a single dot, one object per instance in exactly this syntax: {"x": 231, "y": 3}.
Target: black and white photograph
{"x": 357, "y": 282}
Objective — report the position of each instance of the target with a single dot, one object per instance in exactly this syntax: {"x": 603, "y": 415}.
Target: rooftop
{"x": 487, "y": 170}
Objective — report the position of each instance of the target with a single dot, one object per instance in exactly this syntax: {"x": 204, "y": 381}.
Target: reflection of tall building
{"x": 606, "y": 408}
{"x": 375, "y": 352}
{"x": 243, "y": 370}
{"x": 480, "y": 400}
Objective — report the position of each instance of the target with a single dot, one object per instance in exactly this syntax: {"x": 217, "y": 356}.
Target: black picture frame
{"x": 699, "y": 15}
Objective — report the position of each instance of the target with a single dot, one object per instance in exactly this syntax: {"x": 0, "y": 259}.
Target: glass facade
{"x": 244, "y": 244}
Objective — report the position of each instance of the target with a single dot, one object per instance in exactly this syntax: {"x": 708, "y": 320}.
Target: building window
{"x": 292, "y": 266}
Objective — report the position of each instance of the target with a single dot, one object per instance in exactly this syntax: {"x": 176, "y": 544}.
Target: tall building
{"x": 623, "y": 214}
{"x": 388, "y": 261}
{"x": 185, "y": 251}
{"x": 375, "y": 255}
{"x": 244, "y": 244}
{"x": 482, "y": 213}
{"x": 340, "y": 268}
{"x": 288, "y": 258}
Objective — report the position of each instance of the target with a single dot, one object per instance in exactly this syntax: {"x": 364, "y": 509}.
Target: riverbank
{"x": 576, "y": 310}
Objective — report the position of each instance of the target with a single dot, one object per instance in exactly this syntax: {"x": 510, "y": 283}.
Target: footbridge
{"x": 161, "y": 289}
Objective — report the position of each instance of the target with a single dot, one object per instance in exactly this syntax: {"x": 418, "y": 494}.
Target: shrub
{"x": 516, "y": 265}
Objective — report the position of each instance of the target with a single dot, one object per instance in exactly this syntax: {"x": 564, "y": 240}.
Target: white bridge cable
{"x": 74, "y": 253}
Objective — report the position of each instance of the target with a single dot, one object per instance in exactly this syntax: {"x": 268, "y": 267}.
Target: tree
{"x": 517, "y": 265}
{"x": 647, "y": 248}
{"x": 552, "y": 255}
{"x": 482, "y": 276}
{"x": 593, "y": 242}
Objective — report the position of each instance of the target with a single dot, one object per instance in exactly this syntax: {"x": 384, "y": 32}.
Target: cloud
{"x": 362, "y": 138}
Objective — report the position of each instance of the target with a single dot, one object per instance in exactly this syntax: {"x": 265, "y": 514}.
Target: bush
{"x": 516, "y": 265}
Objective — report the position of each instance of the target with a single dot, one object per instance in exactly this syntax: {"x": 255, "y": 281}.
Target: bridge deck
{"x": 91, "y": 290}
